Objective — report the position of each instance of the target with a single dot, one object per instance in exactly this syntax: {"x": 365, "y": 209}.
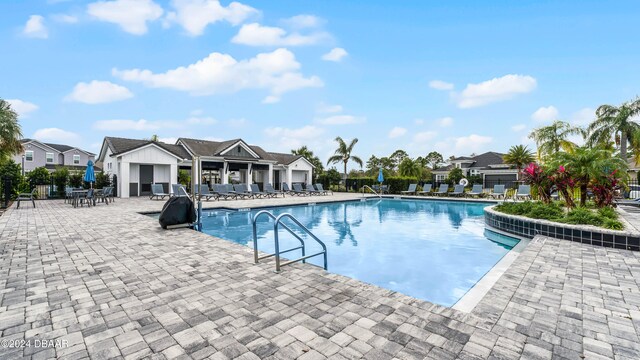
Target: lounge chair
{"x": 426, "y": 189}
{"x": 384, "y": 189}
{"x": 475, "y": 191}
{"x": 223, "y": 191}
{"x": 410, "y": 190}
{"x": 242, "y": 190}
{"x": 524, "y": 192}
{"x": 458, "y": 190}
{"x": 157, "y": 191}
{"x": 178, "y": 190}
{"x": 206, "y": 194}
{"x": 311, "y": 190}
{"x": 322, "y": 191}
{"x": 286, "y": 189}
{"x": 255, "y": 190}
{"x": 105, "y": 194}
{"x": 298, "y": 190}
{"x": 499, "y": 191}
{"x": 27, "y": 197}
{"x": 270, "y": 191}
{"x": 443, "y": 190}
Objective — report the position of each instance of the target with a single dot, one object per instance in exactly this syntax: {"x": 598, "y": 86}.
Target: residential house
{"x": 139, "y": 163}
{"x": 38, "y": 154}
{"x": 488, "y": 165}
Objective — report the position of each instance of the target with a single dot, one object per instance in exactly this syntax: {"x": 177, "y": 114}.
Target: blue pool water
{"x": 431, "y": 250}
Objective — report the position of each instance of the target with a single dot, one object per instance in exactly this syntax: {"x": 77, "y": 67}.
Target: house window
{"x": 440, "y": 177}
{"x": 474, "y": 172}
{"x": 49, "y": 158}
{"x": 76, "y": 159}
{"x": 28, "y": 155}
{"x": 458, "y": 165}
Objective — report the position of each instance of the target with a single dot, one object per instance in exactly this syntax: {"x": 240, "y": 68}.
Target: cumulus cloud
{"x": 98, "y": 92}
{"x": 23, "y": 108}
{"x": 335, "y": 55}
{"x": 277, "y": 71}
{"x": 131, "y": 15}
{"x": 440, "y": 85}
{"x": 445, "y": 121}
{"x": 545, "y": 114}
{"x": 583, "y": 116}
{"x": 397, "y": 132}
{"x": 285, "y": 139}
{"x": 195, "y": 15}
{"x": 464, "y": 145}
{"x": 35, "y": 27}
{"x": 326, "y": 108}
{"x": 518, "y": 127}
{"x": 55, "y": 134}
{"x": 124, "y": 125}
{"x": 303, "y": 21}
{"x": 64, "y": 18}
{"x": 494, "y": 90}
{"x": 255, "y": 34}
{"x": 341, "y": 120}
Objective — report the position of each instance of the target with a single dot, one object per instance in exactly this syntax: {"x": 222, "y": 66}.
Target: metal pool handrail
{"x": 278, "y": 222}
{"x": 277, "y": 254}
{"x": 373, "y": 191}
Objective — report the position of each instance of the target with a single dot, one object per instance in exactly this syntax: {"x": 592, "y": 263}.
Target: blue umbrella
{"x": 380, "y": 177}
{"x": 89, "y": 175}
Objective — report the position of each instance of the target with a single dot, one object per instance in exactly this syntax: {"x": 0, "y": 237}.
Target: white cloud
{"x": 336, "y": 55}
{"x": 168, "y": 140}
{"x": 195, "y": 15}
{"x": 124, "y": 125}
{"x": 341, "y": 120}
{"x": 303, "y": 21}
{"x": 55, "y": 134}
{"x": 494, "y": 90}
{"x": 545, "y": 114}
{"x": 424, "y": 136}
{"x": 271, "y": 99}
{"x": 131, "y": 15}
{"x": 306, "y": 132}
{"x": 23, "y": 108}
{"x": 419, "y": 121}
{"x": 518, "y": 127}
{"x": 464, "y": 145}
{"x": 445, "y": 121}
{"x": 583, "y": 116}
{"x": 397, "y": 132}
{"x": 64, "y": 18}
{"x": 440, "y": 85}
{"x": 277, "y": 71}
{"x": 98, "y": 92}
{"x": 285, "y": 139}
{"x": 255, "y": 34}
{"x": 328, "y": 109}
{"x": 35, "y": 27}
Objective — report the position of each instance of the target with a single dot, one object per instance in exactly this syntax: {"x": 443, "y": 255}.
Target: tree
{"x": 587, "y": 164}
{"x": 519, "y": 156}
{"x": 343, "y": 154}
{"x": 552, "y": 138}
{"x": 39, "y": 176}
{"x": 434, "y": 159}
{"x": 616, "y": 123}
{"x": 312, "y": 158}
{"x": 397, "y": 157}
{"x": 10, "y": 131}
{"x": 154, "y": 138}
{"x": 410, "y": 168}
{"x": 330, "y": 177}
{"x": 455, "y": 175}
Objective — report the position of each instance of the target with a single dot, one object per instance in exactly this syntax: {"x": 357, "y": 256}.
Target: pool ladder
{"x": 373, "y": 191}
{"x": 277, "y": 222}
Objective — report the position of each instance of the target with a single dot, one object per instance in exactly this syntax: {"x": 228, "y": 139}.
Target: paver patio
{"x": 110, "y": 283}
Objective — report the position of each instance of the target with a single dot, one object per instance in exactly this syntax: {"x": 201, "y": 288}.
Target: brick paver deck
{"x": 107, "y": 282}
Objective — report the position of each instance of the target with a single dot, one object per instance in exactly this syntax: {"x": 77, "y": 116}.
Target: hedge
{"x": 396, "y": 183}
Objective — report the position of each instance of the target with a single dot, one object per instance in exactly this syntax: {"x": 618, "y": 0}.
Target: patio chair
{"x": 499, "y": 191}
{"x": 410, "y": 190}
{"x": 68, "y": 194}
{"x": 443, "y": 190}
{"x": 157, "y": 191}
{"x": 322, "y": 191}
{"x": 105, "y": 194}
{"x": 255, "y": 190}
{"x": 524, "y": 193}
{"x": 27, "y": 197}
{"x": 458, "y": 190}
{"x": 286, "y": 190}
{"x": 88, "y": 198}
{"x": 270, "y": 191}
{"x": 206, "y": 194}
{"x": 311, "y": 190}
{"x": 426, "y": 189}
{"x": 223, "y": 191}
{"x": 476, "y": 190}
{"x": 384, "y": 189}
{"x": 298, "y": 190}
{"x": 241, "y": 190}
{"x": 178, "y": 190}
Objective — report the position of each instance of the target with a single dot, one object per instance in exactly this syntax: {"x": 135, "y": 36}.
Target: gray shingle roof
{"x": 60, "y": 147}
{"x": 215, "y": 148}
{"x": 284, "y": 159}
{"x": 481, "y": 161}
{"x": 122, "y": 145}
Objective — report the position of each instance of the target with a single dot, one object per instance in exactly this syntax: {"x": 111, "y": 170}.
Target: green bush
{"x": 61, "y": 179}
{"x": 11, "y": 169}
{"x": 102, "y": 180}
{"x": 608, "y": 212}
{"x": 534, "y": 210}
{"x": 76, "y": 180}
{"x": 39, "y": 176}
{"x": 612, "y": 224}
{"x": 399, "y": 183}
{"x": 604, "y": 217}
{"x": 583, "y": 216}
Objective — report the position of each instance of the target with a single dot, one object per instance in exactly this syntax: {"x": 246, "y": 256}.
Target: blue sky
{"x": 456, "y": 77}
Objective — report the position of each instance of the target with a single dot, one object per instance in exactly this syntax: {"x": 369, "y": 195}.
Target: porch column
{"x": 173, "y": 175}
{"x": 309, "y": 178}
{"x": 289, "y": 177}
{"x": 249, "y": 179}
{"x": 270, "y": 174}
{"x": 224, "y": 174}
{"x": 124, "y": 179}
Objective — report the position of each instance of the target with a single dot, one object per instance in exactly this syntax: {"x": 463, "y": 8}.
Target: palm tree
{"x": 410, "y": 168}
{"x": 615, "y": 122}
{"x": 343, "y": 153}
{"x": 586, "y": 164}
{"x": 518, "y": 155}
{"x": 10, "y": 131}
{"x": 553, "y": 138}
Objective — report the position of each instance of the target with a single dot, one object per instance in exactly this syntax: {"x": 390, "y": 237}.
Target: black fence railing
{"x": 54, "y": 188}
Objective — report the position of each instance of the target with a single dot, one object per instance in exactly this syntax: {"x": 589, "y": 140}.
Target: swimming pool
{"x": 431, "y": 250}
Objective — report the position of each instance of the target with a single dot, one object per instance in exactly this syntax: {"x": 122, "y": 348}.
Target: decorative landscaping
{"x": 605, "y": 217}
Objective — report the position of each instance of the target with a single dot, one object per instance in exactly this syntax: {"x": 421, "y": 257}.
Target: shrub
{"x": 102, "y": 180}
{"x": 61, "y": 179}
{"x": 583, "y": 216}
{"x": 76, "y": 180}
{"x": 39, "y": 176}
{"x": 540, "y": 181}
{"x": 608, "y": 212}
{"x": 613, "y": 224}
{"x": 12, "y": 170}
{"x": 604, "y": 217}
